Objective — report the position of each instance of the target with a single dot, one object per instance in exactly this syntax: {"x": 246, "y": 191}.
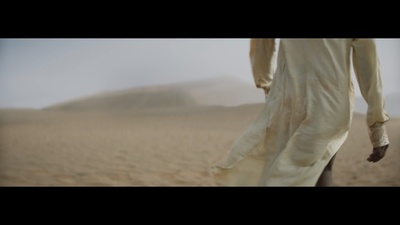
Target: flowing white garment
{"x": 307, "y": 112}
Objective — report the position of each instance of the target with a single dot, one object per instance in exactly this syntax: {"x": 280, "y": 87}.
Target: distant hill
{"x": 222, "y": 91}
{"x": 392, "y": 105}
{"x": 219, "y": 91}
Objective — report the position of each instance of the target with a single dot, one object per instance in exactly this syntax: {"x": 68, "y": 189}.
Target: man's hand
{"x": 377, "y": 153}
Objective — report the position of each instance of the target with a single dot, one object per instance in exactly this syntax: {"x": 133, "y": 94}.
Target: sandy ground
{"x": 155, "y": 148}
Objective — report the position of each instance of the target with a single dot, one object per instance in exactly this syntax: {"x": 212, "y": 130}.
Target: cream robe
{"x": 308, "y": 110}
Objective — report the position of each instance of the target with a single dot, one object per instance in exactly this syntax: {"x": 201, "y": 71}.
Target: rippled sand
{"x": 155, "y": 148}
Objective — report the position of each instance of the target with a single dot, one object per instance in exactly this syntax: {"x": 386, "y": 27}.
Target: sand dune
{"x": 167, "y": 135}
{"x": 220, "y": 91}
{"x": 61, "y": 148}
{"x": 224, "y": 91}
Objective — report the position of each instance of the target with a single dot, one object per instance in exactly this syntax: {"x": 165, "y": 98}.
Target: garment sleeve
{"x": 262, "y": 53}
{"x": 368, "y": 74}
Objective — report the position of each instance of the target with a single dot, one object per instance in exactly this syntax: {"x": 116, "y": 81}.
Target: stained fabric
{"x": 307, "y": 112}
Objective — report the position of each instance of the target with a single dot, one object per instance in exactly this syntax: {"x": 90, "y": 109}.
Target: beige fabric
{"x": 377, "y": 134}
{"x": 307, "y": 112}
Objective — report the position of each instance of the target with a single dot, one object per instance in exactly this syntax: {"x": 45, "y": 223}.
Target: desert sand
{"x": 39, "y": 148}
{"x": 153, "y": 146}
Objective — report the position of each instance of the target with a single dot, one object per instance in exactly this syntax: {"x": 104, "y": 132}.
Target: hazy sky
{"x": 39, "y": 72}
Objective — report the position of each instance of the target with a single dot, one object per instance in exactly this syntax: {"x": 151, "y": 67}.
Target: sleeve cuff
{"x": 378, "y": 135}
